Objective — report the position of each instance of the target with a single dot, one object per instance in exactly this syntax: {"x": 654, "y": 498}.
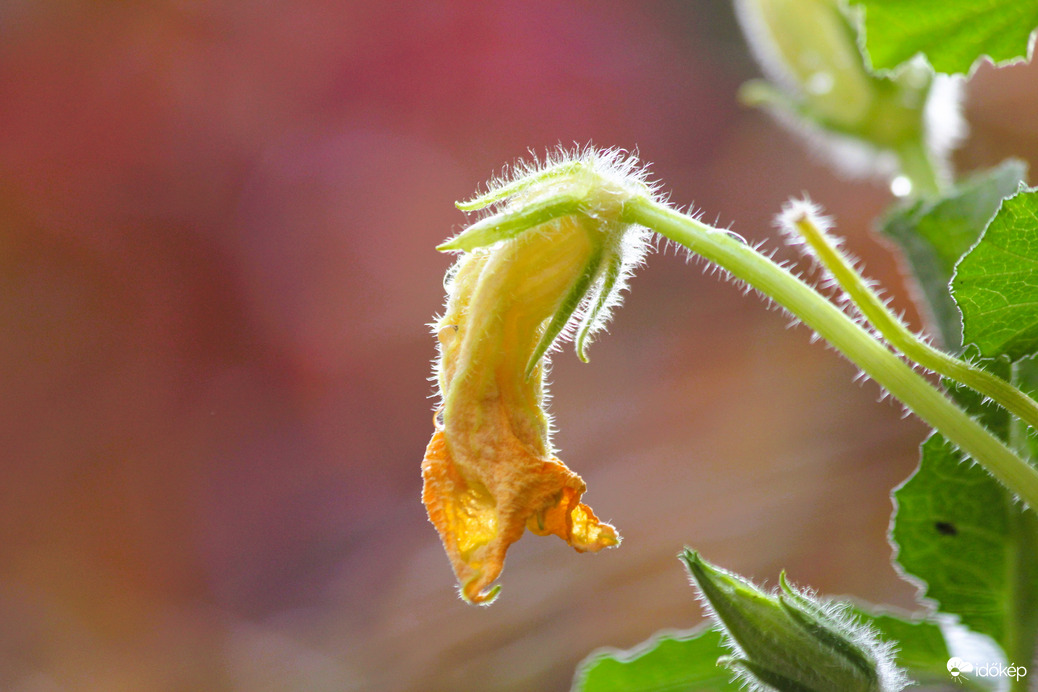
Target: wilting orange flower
{"x": 489, "y": 470}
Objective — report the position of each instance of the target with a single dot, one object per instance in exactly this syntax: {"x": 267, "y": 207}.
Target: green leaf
{"x": 934, "y": 234}
{"x": 996, "y": 283}
{"x": 922, "y": 650}
{"x": 976, "y": 549}
{"x": 952, "y": 34}
{"x": 669, "y": 661}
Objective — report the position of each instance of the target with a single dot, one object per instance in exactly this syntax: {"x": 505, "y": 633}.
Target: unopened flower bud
{"x": 790, "y": 641}
{"x": 820, "y": 84}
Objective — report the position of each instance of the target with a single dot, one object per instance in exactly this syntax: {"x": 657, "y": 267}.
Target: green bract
{"x": 790, "y": 642}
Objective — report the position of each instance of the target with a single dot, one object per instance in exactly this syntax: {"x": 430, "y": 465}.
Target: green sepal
{"x": 508, "y": 224}
{"x": 758, "y": 93}
{"x": 809, "y": 616}
{"x": 567, "y": 307}
{"x": 505, "y": 191}
{"x": 776, "y": 680}
{"x": 611, "y": 274}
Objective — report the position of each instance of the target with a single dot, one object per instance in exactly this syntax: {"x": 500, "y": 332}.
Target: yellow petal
{"x": 481, "y": 509}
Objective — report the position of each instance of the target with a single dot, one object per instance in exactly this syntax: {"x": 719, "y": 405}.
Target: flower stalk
{"x": 802, "y": 219}
{"x": 846, "y": 336}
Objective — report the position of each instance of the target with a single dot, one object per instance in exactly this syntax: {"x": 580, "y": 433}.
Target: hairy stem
{"x": 901, "y": 338}
{"x": 846, "y": 336}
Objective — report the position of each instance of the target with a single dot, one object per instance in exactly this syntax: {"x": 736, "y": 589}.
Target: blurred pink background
{"x": 217, "y": 224}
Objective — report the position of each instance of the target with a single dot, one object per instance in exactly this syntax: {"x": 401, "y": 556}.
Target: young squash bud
{"x": 789, "y": 641}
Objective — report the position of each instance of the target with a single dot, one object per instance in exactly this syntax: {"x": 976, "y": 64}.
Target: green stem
{"x": 901, "y": 338}
{"x": 846, "y": 336}
{"x": 918, "y": 167}
{"x": 1020, "y": 644}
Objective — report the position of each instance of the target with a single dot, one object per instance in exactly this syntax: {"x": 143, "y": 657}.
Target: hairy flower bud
{"x": 819, "y": 83}
{"x": 553, "y": 255}
{"x": 790, "y": 641}
{"x": 808, "y": 48}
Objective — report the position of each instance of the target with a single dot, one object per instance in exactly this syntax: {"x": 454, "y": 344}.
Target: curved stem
{"x": 846, "y": 336}
{"x": 901, "y": 338}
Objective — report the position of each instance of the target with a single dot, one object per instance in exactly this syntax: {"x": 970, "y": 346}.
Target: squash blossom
{"x": 554, "y": 255}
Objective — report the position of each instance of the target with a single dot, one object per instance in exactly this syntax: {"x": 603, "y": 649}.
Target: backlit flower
{"x": 554, "y": 255}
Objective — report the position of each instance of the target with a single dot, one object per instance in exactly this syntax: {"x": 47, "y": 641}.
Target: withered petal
{"x": 480, "y": 515}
